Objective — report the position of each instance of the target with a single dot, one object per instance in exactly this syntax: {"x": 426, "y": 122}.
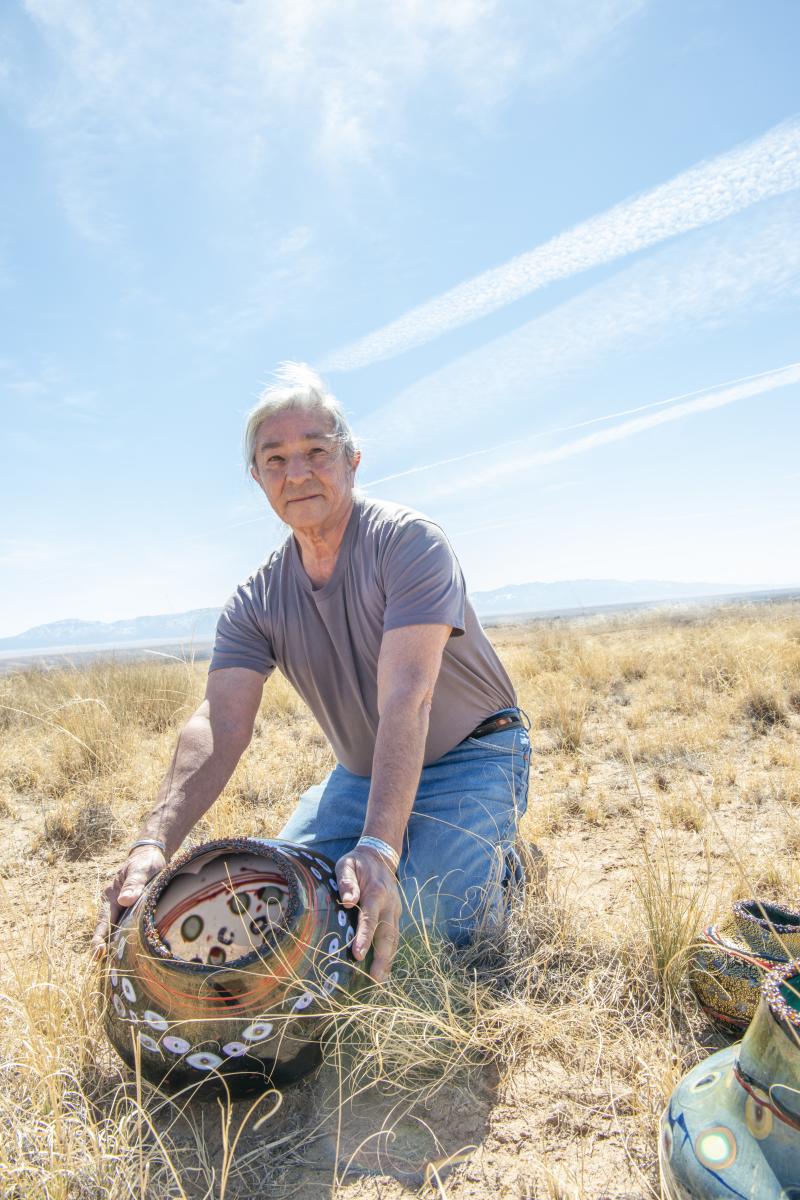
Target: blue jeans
{"x": 460, "y": 838}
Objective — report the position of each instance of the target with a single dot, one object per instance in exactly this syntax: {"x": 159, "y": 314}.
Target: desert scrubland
{"x": 665, "y": 782}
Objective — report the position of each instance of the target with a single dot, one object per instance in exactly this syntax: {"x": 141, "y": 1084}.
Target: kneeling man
{"x": 364, "y": 610}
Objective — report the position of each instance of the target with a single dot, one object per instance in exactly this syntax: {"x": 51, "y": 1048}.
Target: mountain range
{"x": 529, "y": 599}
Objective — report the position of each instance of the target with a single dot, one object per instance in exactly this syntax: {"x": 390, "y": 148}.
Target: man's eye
{"x": 319, "y": 452}
{"x": 274, "y": 460}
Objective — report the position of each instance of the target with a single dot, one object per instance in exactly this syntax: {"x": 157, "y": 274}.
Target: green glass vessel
{"x": 732, "y": 1126}
{"x": 733, "y": 958}
{"x": 227, "y": 966}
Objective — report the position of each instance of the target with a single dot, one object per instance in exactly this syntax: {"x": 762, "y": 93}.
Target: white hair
{"x": 297, "y": 386}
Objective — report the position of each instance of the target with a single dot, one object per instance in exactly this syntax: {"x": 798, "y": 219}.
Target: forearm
{"x": 396, "y": 767}
{"x": 203, "y": 762}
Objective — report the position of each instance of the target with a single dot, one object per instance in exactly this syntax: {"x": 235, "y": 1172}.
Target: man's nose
{"x": 297, "y": 467}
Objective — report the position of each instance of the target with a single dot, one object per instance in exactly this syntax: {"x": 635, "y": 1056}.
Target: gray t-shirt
{"x": 394, "y": 568}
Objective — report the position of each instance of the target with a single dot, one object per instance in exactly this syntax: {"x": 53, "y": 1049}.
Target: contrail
{"x": 707, "y": 192}
{"x": 720, "y": 396}
{"x": 625, "y": 412}
{"x": 699, "y": 282}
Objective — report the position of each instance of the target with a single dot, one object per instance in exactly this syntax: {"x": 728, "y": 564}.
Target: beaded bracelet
{"x": 383, "y": 848}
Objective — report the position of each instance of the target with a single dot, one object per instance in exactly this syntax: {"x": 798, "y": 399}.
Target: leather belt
{"x": 500, "y": 721}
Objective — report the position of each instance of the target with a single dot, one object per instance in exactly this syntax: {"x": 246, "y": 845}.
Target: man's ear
{"x": 355, "y": 460}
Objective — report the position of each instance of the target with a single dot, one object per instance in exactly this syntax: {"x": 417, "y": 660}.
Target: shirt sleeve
{"x": 242, "y": 639}
{"x": 422, "y": 580}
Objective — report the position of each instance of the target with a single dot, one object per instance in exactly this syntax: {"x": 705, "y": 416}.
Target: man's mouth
{"x": 300, "y": 499}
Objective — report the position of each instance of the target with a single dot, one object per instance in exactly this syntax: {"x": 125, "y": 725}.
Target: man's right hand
{"x": 125, "y": 888}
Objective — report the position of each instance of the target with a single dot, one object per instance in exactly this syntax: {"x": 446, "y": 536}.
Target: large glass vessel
{"x": 229, "y": 965}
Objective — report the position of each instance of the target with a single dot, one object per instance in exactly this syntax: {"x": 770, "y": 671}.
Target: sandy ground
{"x": 717, "y": 792}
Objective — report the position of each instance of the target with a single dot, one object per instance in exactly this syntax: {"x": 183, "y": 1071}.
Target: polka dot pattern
{"x": 258, "y": 1031}
{"x": 758, "y": 1115}
{"x": 716, "y": 1147}
{"x": 235, "y": 1049}
{"x": 176, "y": 1045}
{"x": 203, "y": 1061}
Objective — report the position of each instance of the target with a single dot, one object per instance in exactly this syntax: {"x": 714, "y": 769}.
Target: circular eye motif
{"x": 705, "y": 1082}
{"x": 258, "y": 1031}
{"x": 155, "y": 1020}
{"x": 316, "y": 873}
{"x": 303, "y": 1002}
{"x": 333, "y": 945}
{"x": 127, "y": 990}
{"x": 191, "y": 928}
{"x": 341, "y": 917}
{"x": 235, "y": 1049}
{"x": 239, "y": 903}
{"x": 716, "y": 1147}
{"x": 333, "y": 885}
{"x": 204, "y": 1061}
{"x": 121, "y": 944}
{"x": 119, "y": 1007}
{"x": 351, "y": 933}
{"x": 176, "y": 1045}
{"x": 758, "y": 1116}
{"x": 216, "y": 956}
{"x": 149, "y": 1043}
{"x": 114, "y": 976}
{"x": 331, "y": 982}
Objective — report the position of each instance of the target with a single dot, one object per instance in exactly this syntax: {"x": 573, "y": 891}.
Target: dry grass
{"x": 665, "y": 781}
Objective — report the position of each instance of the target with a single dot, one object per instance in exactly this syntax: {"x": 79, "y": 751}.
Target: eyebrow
{"x": 306, "y": 437}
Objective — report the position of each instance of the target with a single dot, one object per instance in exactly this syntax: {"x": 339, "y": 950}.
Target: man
{"x": 364, "y": 609}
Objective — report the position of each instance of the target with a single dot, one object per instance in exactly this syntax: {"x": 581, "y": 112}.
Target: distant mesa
{"x": 196, "y": 627}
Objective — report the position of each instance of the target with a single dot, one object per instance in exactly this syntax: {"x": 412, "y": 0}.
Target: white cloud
{"x": 719, "y": 397}
{"x": 295, "y": 241}
{"x": 546, "y": 433}
{"x": 21, "y": 554}
{"x": 49, "y": 391}
{"x": 337, "y": 78}
{"x": 700, "y": 282}
{"x": 709, "y": 192}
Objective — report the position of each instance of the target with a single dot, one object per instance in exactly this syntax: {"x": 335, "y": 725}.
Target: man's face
{"x": 302, "y": 470}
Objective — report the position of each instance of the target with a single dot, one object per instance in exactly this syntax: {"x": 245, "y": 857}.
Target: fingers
{"x": 367, "y": 924}
{"x": 109, "y": 913}
{"x": 100, "y": 936}
{"x": 384, "y": 945}
{"x": 365, "y": 878}
{"x": 124, "y": 890}
{"x": 136, "y": 881}
{"x": 379, "y": 928}
{"x": 346, "y": 877}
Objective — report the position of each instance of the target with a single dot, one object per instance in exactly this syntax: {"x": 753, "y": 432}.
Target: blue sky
{"x": 498, "y": 228}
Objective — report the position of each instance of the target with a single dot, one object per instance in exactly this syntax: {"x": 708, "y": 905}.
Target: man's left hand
{"x": 366, "y": 879}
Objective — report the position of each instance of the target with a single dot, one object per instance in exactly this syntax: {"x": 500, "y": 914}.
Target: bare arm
{"x": 209, "y": 746}
{"x": 408, "y": 667}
